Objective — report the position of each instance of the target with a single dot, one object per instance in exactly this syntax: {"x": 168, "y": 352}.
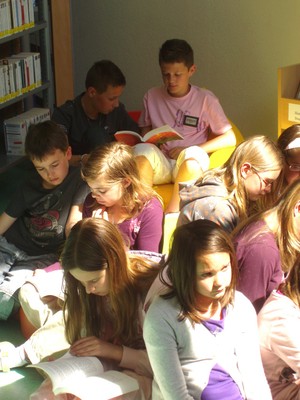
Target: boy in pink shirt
{"x": 194, "y": 112}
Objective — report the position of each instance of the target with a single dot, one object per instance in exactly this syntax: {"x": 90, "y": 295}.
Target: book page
{"x": 128, "y": 137}
{"x": 66, "y": 371}
{"x": 111, "y": 384}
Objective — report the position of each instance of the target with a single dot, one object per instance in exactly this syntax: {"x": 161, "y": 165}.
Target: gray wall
{"x": 238, "y": 46}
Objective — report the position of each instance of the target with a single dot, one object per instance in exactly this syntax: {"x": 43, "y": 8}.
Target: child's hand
{"x": 93, "y": 346}
{"x": 100, "y": 213}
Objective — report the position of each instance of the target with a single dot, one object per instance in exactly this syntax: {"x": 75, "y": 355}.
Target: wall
{"x": 238, "y": 45}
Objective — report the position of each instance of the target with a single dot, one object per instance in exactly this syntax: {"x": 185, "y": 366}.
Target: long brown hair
{"x": 291, "y": 285}
{"x": 286, "y": 234}
{"x": 92, "y": 245}
{"x": 204, "y": 237}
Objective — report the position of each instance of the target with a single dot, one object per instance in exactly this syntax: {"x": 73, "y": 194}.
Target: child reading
{"x": 193, "y": 112}
{"x": 107, "y": 291}
{"x": 40, "y": 214}
{"x": 201, "y": 336}
{"x": 119, "y": 195}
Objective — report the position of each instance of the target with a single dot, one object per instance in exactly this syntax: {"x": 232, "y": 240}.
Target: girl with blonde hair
{"x": 267, "y": 245}
{"x": 118, "y": 195}
{"x": 229, "y": 194}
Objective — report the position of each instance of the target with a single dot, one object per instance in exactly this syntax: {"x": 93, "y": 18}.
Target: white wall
{"x": 238, "y": 46}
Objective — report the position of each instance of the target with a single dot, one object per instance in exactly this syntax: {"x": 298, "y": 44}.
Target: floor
{"x": 19, "y": 383}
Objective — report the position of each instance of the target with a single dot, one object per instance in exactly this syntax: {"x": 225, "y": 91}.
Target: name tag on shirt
{"x": 189, "y": 120}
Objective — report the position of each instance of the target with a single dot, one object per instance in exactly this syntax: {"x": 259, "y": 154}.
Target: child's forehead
{"x": 174, "y": 66}
{"x": 49, "y": 157}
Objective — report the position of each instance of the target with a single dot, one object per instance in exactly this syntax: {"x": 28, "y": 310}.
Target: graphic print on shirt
{"x": 42, "y": 220}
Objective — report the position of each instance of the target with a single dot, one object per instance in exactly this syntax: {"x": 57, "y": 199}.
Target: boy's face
{"x": 176, "y": 77}
{"x": 53, "y": 168}
{"x": 106, "y": 102}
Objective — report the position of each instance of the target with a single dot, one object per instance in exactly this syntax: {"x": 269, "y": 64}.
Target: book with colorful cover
{"x": 157, "y": 136}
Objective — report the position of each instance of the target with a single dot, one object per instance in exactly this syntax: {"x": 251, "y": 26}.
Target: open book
{"x": 85, "y": 378}
{"x": 156, "y": 136}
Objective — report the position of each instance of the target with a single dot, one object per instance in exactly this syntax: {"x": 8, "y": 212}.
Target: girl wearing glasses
{"x": 279, "y": 327}
{"x": 267, "y": 245}
{"x": 201, "y": 336}
{"x": 229, "y": 194}
{"x": 289, "y": 143}
{"x": 118, "y": 195}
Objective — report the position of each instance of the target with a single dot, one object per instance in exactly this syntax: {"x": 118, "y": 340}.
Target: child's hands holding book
{"x": 93, "y": 346}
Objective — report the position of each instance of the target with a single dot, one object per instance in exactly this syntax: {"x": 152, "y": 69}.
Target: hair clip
{"x": 294, "y": 144}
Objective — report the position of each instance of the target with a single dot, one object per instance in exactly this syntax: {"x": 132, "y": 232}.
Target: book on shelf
{"x": 156, "y": 136}
{"x": 15, "y": 129}
{"x": 85, "y": 378}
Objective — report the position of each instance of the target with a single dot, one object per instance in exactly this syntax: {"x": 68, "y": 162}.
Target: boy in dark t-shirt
{"x": 41, "y": 212}
{"x": 92, "y": 118}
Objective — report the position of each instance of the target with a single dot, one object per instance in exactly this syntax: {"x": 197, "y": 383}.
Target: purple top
{"x": 144, "y": 231}
{"x": 259, "y": 263}
{"x": 220, "y": 384}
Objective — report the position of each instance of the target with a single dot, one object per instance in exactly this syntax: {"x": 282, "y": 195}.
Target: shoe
{"x": 5, "y": 349}
{"x": 11, "y": 356}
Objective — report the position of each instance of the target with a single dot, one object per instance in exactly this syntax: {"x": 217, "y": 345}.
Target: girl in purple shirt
{"x": 118, "y": 195}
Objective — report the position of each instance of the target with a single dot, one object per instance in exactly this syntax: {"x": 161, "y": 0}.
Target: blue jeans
{"x": 15, "y": 268}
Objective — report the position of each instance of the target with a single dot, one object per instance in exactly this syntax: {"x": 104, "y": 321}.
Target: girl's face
{"x": 213, "y": 275}
{"x": 95, "y": 282}
{"x": 107, "y": 194}
{"x": 256, "y": 183}
{"x": 292, "y": 166}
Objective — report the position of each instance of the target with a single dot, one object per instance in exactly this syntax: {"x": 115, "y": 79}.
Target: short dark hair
{"x": 102, "y": 74}
{"x": 44, "y": 138}
{"x": 176, "y": 50}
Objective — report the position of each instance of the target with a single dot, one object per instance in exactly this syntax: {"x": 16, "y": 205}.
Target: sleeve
{"x": 137, "y": 361}
{"x": 213, "y": 209}
{"x": 285, "y": 339}
{"x": 144, "y": 119}
{"x": 259, "y": 271}
{"x": 248, "y": 351}
{"x": 161, "y": 344}
{"x": 215, "y": 115}
{"x": 151, "y": 223}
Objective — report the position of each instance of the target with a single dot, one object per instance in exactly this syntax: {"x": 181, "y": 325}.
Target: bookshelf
{"x": 288, "y": 106}
{"x": 35, "y": 38}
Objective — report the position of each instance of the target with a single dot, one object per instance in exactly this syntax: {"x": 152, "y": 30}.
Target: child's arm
{"x": 5, "y": 222}
{"x": 216, "y": 142}
{"x": 75, "y": 215}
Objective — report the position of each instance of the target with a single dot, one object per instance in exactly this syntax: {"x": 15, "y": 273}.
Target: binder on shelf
{"x": 15, "y": 129}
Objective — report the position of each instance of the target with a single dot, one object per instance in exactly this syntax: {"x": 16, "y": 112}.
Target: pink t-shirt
{"x": 194, "y": 116}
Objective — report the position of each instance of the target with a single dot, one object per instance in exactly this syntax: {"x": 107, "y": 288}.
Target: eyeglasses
{"x": 293, "y": 167}
{"x": 267, "y": 183}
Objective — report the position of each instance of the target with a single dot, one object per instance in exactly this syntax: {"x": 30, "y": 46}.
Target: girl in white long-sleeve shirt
{"x": 201, "y": 337}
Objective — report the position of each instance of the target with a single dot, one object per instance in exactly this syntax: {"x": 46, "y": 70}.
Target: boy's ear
{"x": 245, "y": 169}
{"x": 192, "y": 70}
{"x": 69, "y": 153}
{"x": 91, "y": 91}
